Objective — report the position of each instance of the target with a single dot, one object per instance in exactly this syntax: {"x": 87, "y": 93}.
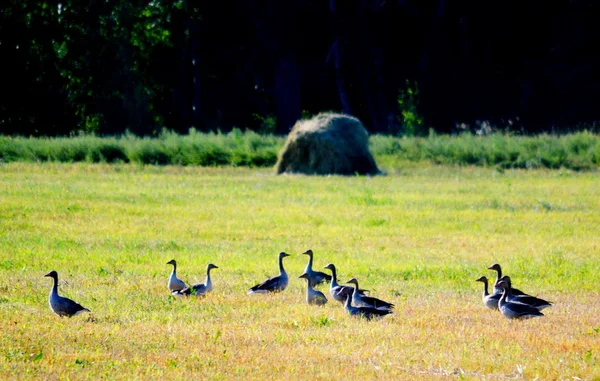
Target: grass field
{"x": 418, "y": 237}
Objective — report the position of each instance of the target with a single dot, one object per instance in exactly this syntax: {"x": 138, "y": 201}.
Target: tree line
{"x": 402, "y": 66}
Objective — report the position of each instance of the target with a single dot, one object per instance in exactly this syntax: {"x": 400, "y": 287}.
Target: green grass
{"x": 578, "y": 151}
{"x": 418, "y": 237}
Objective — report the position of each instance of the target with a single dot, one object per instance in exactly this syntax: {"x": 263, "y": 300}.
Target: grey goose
{"x": 313, "y": 297}
{"x": 497, "y": 290}
{"x": 538, "y": 303}
{"x": 315, "y": 277}
{"x": 59, "y": 304}
{"x": 361, "y": 300}
{"x": 275, "y": 284}
{"x": 514, "y": 310}
{"x": 368, "y": 313}
{"x": 174, "y": 284}
{"x": 489, "y": 300}
{"x": 338, "y": 291}
{"x": 200, "y": 289}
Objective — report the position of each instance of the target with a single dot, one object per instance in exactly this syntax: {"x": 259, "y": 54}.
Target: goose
{"x": 59, "y": 304}
{"x": 498, "y": 290}
{"x": 337, "y": 291}
{"x": 367, "y": 313}
{"x": 200, "y": 289}
{"x": 367, "y": 301}
{"x": 513, "y": 310}
{"x": 275, "y": 284}
{"x": 490, "y": 301}
{"x": 315, "y": 277}
{"x": 538, "y": 303}
{"x": 314, "y": 297}
{"x": 175, "y": 284}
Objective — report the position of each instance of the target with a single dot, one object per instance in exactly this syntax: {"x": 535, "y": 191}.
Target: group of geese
{"x": 352, "y": 297}
{"x": 511, "y": 302}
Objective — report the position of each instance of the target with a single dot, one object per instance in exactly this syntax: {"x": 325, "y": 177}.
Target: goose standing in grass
{"x": 498, "y": 290}
{"x": 368, "y": 313}
{"x": 175, "y": 284}
{"x": 275, "y": 284}
{"x": 314, "y": 297}
{"x": 200, "y": 289}
{"x": 361, "y": 300}
{"x": 59, "y": 304}
{"x": 538, "y": 303}
{"x": 489, "y": 300}
{"x": 514, "y": 310}
{"x": 314, "y": 277}
{"x": 337, "y": 291}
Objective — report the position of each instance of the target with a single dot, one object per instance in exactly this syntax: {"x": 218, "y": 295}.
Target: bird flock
{"x": 511, "y": 302}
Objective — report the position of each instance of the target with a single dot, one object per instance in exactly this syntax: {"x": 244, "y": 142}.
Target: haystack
{"x": 329, "y": 143}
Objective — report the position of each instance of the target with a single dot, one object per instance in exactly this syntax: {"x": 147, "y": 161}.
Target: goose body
{"x": 200, "y": 289}
{"x": 275, "y": 284}
{"x": 498, "y": 290}
{"x": 538, "y": 303}
{"x": 175, "y": 284}
{"x": 514, "y": 310}
{"x": 314, "y": 277}
{"x": 489, "y": 300}
{"x": 361, "y": 300}
{"x": 337, "y": 291}
{"x": 368, "y": 313}
{"x": 313, "y": 297}
{"x": 59, "y": 304}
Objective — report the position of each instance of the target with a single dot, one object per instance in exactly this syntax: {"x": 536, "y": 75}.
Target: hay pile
{"x": 329, "y": 143}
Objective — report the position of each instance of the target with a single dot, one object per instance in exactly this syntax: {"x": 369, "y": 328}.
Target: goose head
{"x": 502, "y": 284}
{"x": 172, "y": 262}
{"x": 505, "y": 279}
{"x": 330, "y": 267}
{"x": 304, "y": 275}
{"x": 482, "y": 279}
{"x": 308, "y": 252}
{"x": 211, "y": 266}
{"x": 52, "y": 274}
{"x": 495, "y": 266}
{"x": 353, "y": 281}
{"x": 283, "y": 255}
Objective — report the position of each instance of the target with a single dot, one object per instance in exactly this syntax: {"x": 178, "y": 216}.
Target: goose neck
{"x": 334, "y": 282}
{"x": 208, "y": 281}
{"x": 281, "y": 269}
{"x": 54, "y": 290}
{"x": 485, "y": 288}
{"x": 310, "y": 262}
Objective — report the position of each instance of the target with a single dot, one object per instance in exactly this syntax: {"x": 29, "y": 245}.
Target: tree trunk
{"x": 287, "y": 93}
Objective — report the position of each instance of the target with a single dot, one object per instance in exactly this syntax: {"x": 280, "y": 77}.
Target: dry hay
{"x": 328, "y": 143}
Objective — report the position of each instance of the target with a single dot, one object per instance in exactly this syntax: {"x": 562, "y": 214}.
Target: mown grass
{"x": 578, "y": 151}
{"x": 418, "y": 237}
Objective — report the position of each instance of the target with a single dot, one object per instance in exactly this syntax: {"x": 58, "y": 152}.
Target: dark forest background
{"x": 401, "y": 66}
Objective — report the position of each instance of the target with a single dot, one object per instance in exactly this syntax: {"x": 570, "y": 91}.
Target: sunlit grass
{"x": 418, "y": 237}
